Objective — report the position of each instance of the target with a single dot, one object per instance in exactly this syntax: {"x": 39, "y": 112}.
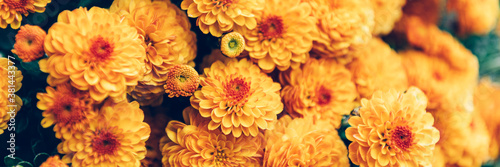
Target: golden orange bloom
{"x": 475, "y": 17}
{"x": 487, "y": 104}
{"x": 29, "y": 43}
{"x": 53, "y": 161}
{"x": 232, "y": 44}
{"x": 12, "y": 11}
{"x": 320, "y": 87}
{"x": 238, "y": 98}
{"x": 444, "y": 86}
{"x": 194, "y": 145}
{"x": 167, "y": 39}
{"x": 182, "y": 80}
{"x": 464, "y": 138}
{"x": 387, "y": 13}
{"x": 96, "y": 51}
{"x": 377, "y": 67}
{"x": 393, "y": 129}
{"x": 12, "y": 76}
{"x": 116, "y": 138}
{"x": 68, "y": 108}
{"x": 307, "y": 141}
{"x": 283, "y": 36}
{"x": 343, "y": 26}
{"x": 219, "y": 16}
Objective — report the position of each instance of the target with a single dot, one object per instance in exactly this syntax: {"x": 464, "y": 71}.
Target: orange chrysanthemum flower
{"x": 393, "y": 129}
{"x": 167, "y": 39}
{"x": 12, "y": 11}
{"x": 182, "y": 80}
{"x": 194, "y": 145}
{"x": 232, "y": 44}
{"x": 96, "y": 51}
{"x": 238, "y": 98}
{"x": 444, "y": 86}
{"x": 464, "y": 138}
{"x": 116, "y": 138}
{"x": 219, "y": 16}
{"x": 487, "y": 104}
{"x": 68, "y": 108}
{"x": 54, "y": 161}
{"x": 387, "y": 13}
{"x": 283, "y": 37}
{"x": 343, "y": 27}
{"x": 377, "y": 67}
{"x": 29, "y": 43}
{"x": 308, "y": 142}
{"x": 475, "y": 17}
{"x": 321, "y": 87}
{"x": 12, "y": 76}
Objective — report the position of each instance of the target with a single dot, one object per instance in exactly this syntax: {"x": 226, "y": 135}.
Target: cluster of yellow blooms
{"x": 276, "y": 91}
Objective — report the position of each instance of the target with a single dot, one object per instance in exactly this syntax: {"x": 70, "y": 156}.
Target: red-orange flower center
{"x": 237, "y": 90}
{"x": 68, "y": 110}
{"x": 105, "y": 142}
{"x": 402, "y": 137}
{"x": 271, "y": 27}
{"x": 324, "y": 96}
{"x": 21, "y": 6}
{"x": 101, "y": 49}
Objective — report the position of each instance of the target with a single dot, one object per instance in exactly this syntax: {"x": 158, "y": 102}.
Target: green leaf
{"x": 40, "y": 158}
{"x": 11, "y": 161}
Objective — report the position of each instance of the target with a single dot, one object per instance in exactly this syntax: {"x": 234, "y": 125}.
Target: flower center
{"x": 237, "y": 90}
{"x": 402, "y": 137}
{"x": 324, "y": 96}
{"x": 220, "y": 156}
{"x": 437, "y": 76}
{"x": 105, "y": 142}
{"x": 271, "y": 27}
{"x": 21, "y": 6}
{"x": 101, "y": 49}
{"x": 68, "y": 110}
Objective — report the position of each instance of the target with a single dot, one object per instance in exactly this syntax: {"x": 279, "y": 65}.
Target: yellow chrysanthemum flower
{"x": 194, "y": 145}
{"x": 232, "y": 44}
{"x": 393, "y": 129}
{"x": 116, "y": 138}
{"x": 387, "y": 13}
{"x": 487, "y": 104}
{"x": 464, "y": 138}
{"x": 219, "y": 16}
{"x": 475, "y": 17}
{"x": 68, "y": 108}
{"x": 29, "y": 43}
{"x": 54, "y": 161}
{"x": 10, "y": 84}
{"x": 167, "y": 39}
{"x": 182, "y": 80}
{"x": 444, "y": 86}
{"x": 343, "y": 26}
{"x": 12, "y": 11}
{"x": 377, "y": 67}
{"x": 283, "y": 37}
{"x": 96, "y": 51}
{"x": 304, "y": 142}
{"x": 238, "y": 98}
{"x": 320, "y": 87}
